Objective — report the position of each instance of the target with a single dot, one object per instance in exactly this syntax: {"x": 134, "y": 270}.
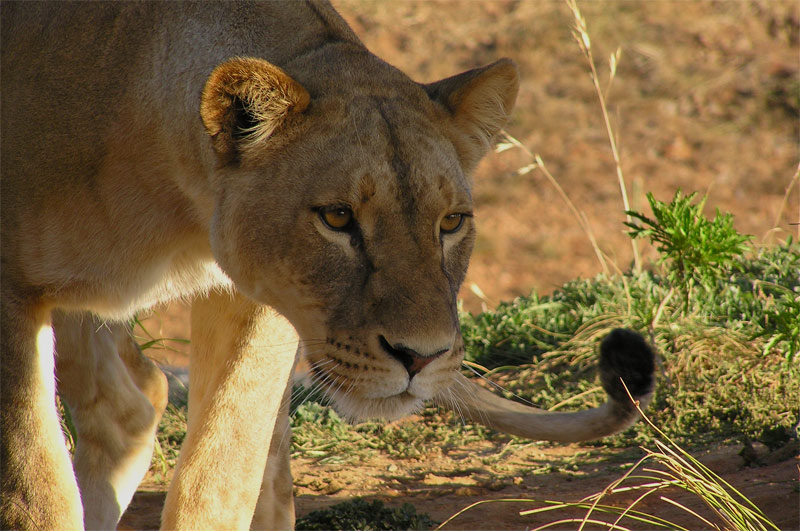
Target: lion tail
{"x": 625, "y": 356}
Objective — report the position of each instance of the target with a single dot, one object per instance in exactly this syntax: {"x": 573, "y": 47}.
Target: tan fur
{"x": 153, "y": 151}
{"x": 115, "y": 396}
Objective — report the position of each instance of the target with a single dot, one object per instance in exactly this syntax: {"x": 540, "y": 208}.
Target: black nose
{"x": 412, "y": 360}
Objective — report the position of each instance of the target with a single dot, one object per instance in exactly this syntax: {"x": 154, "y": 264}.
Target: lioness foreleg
{"x": 242, "y": 359}
{"x": 39, "y": 490}
{"x": 275, "y": 508}
{"x": 116, "y": 397}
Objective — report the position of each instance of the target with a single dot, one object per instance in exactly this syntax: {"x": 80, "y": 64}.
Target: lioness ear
{"x": 245, "y": 101}
{"x": 480, "y": 101}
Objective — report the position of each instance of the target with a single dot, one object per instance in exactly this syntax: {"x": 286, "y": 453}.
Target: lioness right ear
{"x": 245, "y": 101}
{"x": 480, "y": 101}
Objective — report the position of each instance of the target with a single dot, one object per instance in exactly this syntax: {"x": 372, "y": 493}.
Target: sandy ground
{"x": 441, "y": 486}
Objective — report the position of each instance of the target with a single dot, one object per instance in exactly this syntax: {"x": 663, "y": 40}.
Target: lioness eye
{"x": 451, "y": 223}
{"x": 337, "y": 217}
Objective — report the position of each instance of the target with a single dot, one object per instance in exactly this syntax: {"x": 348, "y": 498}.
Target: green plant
{"x": 694, "y": 249}
{"x": 779, "y": 295}
{"x": 169, "y": 438}
{"x": 67, "y": 425}
{"x": 720, "y": 345}
{"x": 363, "y": 515}
{"x": 149, "y": 341}
{"x": 784, "y": 318}
{"x": 319, "y": 433}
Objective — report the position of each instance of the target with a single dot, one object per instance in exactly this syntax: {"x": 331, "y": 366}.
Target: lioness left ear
{"x": 245, "y": 101}
{"x": 480, "y": 101}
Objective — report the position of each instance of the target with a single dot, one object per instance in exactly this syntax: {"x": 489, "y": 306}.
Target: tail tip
{"x": 626, "y": 355}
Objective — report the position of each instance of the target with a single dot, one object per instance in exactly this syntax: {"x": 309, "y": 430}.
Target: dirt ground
{"x": 442, "y": 486}
{"x": 705, "y": 99}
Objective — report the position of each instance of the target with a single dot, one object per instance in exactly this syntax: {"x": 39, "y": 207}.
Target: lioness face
{"x": 356, "y": 224}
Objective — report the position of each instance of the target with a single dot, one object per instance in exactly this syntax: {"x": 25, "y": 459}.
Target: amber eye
{"x": 337, "y": 217}
{"x": 451, "y": 223}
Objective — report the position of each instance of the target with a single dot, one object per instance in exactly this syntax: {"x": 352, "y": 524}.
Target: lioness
{"x": 256, "y": 158}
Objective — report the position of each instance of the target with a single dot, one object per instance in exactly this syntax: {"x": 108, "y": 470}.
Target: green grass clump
{"x": 728, "y": 357}
{"x": 772, "y": 298}
{"x": 528, "y": 328}
{"x": 362, "y": 515}
{"x": 725, "y": 318}
{"x": 318, "y": 432}
{"x": 169, "y": 438}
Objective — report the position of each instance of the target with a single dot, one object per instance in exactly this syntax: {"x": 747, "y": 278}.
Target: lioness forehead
{"x": 386, "y": 146}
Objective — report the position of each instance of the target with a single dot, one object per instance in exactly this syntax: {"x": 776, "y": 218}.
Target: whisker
{"x": 501, "y": 388}
{"x": 332, "y": 393}
{"x": 455, "y": 405}
{"x": 327, "y": 378}
{"x": 451, "y": 398}
{"x": 484, "y": 419}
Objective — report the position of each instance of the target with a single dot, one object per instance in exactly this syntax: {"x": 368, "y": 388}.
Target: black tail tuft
{"x": 625, "y": 354}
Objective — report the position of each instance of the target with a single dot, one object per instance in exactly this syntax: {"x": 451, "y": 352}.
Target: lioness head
{"x": 344, "y": 202}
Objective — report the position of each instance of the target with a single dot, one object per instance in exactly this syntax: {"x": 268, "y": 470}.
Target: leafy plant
{"x": 694, "y": 249}
{"x": 776, "y": 288}
{"x": 784, "y": 318}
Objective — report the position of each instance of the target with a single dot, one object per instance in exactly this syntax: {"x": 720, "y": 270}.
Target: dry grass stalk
{"x": 580, "y": 216}
{"x": 581, "y": 34}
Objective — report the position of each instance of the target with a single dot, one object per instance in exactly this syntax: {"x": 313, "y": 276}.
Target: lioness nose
{"x": 412, "y": 360}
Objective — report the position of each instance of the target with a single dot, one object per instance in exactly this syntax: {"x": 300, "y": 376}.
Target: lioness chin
{"x": 256, "y": 158}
